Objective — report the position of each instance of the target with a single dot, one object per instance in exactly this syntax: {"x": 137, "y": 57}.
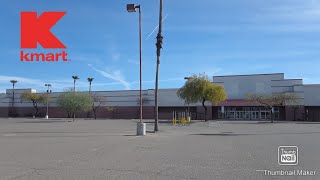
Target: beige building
{"x": 125, "y": 104}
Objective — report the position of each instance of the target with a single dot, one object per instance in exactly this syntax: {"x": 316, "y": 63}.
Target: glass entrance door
{"x": 230, "y": 115}
{"x": 255, "y": 115}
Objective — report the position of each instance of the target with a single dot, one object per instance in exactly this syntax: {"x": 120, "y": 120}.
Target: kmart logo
{"x": 36, "y": 30}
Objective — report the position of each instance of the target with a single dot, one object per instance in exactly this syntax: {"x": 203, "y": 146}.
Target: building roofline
{"x": 21, "y": 89}
{"x": 286, "y": 79}
{"x": 311, "y": 85}
{"x": 250, "y": 75}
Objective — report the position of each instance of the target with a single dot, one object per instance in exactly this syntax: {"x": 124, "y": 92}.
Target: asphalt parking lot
{"x": 108, "y": 149}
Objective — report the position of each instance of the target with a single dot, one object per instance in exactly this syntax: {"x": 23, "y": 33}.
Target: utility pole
{"x": 48, "y": 92}
{"x": 159, "y": 47}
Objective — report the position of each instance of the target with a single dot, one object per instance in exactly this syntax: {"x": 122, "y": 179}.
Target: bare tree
{"x": 113, "y": 110}
{"x": 97, "y": 102}
{"x": 295, "y": 107}
{"x": 274, "y": 100}
{"x": 35, "y": 99}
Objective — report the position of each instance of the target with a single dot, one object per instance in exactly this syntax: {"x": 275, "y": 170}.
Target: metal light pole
{"x": 48, "y": 92}
{"x": 141, "y": 127}
{"x": 12, "y": 107}
{"x": 75, "y": 78}
{"x": 188, "y": 78}
{"x": 159, "y": 46}
{"x": 90, "y": 79}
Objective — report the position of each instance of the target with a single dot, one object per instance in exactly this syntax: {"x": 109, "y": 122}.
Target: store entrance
{"x": 248, "y": 113}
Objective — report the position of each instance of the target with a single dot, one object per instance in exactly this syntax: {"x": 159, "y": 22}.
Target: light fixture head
{"x": 131, "y": 7}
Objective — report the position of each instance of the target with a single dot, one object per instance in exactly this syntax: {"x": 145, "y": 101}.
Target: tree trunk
{"x": 95, "y": 113}
{"x": 294, "y": 113}
{"x": 35, "y": 105}
{"x": 159, "y": 46}
{"x": 271, "y": 116}
{"x": 205, "y": 109}
{"x": 37, "y": 110}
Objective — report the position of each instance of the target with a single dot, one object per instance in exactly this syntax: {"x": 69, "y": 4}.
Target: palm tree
{"x": 159, "y": 46}
{"x": 90, "y": 79}
{"x": 13, "y": 84}
{"x": 75, "y": 78}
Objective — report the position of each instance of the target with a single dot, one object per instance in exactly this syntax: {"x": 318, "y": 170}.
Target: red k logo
{"x": 37, "y": 29}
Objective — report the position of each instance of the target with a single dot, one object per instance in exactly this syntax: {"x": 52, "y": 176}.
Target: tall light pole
{"x": 188, "y": 78}
{"x": 12, "y": 107}
{"x": 90, "y": 79}
{"x": 48, "y": 92}
{"x": 141, "y": 128}
{"x": 75, "y": 78}
{"x": 159, "y": 47}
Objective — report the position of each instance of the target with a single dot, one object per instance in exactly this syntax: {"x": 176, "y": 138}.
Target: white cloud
{"x": 307, "y": 10}
{"x": 133, "y": 62}
{"x": 114, "y": 75}
{"x": 164, "y": 80}
{"x": 57, "y": 84}
{"x": 22, "y": 82}
{"x": 115, "y": 56}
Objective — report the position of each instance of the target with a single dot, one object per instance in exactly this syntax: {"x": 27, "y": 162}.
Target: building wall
{"x": 238, "y": 87}
{"x": 312, "y": 95}
{"x": 312, "y": 113}
{"x": 125, "y": 104}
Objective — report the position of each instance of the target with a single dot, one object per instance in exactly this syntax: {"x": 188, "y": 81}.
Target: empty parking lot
{"x": 109, "y": 149}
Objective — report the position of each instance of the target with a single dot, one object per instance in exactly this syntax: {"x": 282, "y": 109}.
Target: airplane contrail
{"x": 157, "y": 27}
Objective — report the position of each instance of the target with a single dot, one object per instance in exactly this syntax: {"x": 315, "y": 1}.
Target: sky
{"x": 216, "y": 37}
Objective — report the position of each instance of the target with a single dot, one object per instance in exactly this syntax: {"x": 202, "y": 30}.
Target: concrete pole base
{"x": 141, "y": 129}
{"x": 47, "y": 117}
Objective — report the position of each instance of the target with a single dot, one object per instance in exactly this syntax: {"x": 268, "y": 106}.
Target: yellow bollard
{"x": 183, "y": 121}
{"x": 174, "y": 118}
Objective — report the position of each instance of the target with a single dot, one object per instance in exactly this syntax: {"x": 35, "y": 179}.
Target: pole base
{"x": 141, "y": 129}
{"x": 47, "y": 117}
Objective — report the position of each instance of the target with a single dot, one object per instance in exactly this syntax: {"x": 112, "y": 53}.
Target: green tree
{"x": 273, "y": 100}
{"x": 35, "y": 99}
{"x": 75, "y": 102}
{"x": 198, "y": 88}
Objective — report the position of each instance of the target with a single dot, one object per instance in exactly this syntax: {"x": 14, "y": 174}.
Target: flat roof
{"x": 250, "y": 75}
{"x": 286, "y": 79}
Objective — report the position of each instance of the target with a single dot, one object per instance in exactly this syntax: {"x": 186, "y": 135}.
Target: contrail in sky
{"x": 157, "y": 27}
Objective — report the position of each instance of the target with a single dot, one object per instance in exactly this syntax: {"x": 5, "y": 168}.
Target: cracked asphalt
{"x": 108, "y": 149}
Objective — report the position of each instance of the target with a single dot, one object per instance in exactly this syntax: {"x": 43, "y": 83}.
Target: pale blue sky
{"x": 218, "y": 37}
